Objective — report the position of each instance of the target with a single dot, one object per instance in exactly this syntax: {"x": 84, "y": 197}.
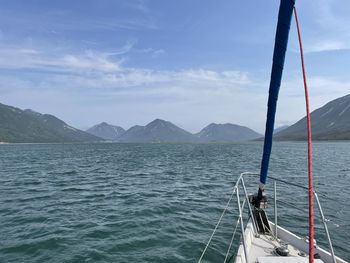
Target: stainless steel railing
{"x": 236, "y": 192}
{"x": 323, "y": 219}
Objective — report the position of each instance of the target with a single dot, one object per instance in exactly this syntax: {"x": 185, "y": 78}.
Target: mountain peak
{"x": 158, "y": 122}
{"x": 227, "y": 132}
{"x": 157, "y": 130}
{"x": 106, "y": 131}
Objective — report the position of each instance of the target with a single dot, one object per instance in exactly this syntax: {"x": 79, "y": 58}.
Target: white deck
{"x": 261, "y": 249}
{"x": 288, "y": 260}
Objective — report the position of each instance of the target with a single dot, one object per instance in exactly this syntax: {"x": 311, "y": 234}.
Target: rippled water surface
{"x": 151, "y": 202}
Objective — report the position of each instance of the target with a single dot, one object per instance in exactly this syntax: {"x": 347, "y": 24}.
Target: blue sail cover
{"x": 281, "y": 41}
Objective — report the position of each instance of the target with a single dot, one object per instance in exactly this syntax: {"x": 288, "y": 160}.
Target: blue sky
{"x": 191, "y": 62}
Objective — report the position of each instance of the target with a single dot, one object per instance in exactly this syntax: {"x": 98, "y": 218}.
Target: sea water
{"x": 113, "y": 202}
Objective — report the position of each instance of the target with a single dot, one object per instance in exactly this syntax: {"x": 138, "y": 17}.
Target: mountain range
{"x": 330, "y": 122}
{"x": 28, "y": 126}
{"x": 18, "y": 125}
{"x": 165, "y": 131}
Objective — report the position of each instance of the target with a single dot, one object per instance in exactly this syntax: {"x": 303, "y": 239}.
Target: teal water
{"x": 151, "y": 202}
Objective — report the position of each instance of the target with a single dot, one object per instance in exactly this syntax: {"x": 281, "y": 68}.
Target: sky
{"x": 192, "y": 62}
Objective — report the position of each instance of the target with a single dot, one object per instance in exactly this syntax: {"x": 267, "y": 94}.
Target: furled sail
{"x": 281, "y": 41}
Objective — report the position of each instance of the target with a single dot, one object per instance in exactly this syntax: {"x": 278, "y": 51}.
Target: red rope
{"x": 309, "y": 145}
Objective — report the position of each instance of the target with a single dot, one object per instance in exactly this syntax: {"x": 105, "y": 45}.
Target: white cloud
{"x": 154, "y": 52}
{"x": 329, "y": 23}
{"x": 95, "y": 80}
{"x": 89, "y": 61}
{"x": 22, "y": 58}
{"x": 327, "y": 45}
{"x": 89, "y": 87}
{"x": 102, "y": 69}
{"x": 129, "y": 45}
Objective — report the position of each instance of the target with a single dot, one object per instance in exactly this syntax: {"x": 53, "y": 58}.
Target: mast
{"x": 281, "y": 40}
